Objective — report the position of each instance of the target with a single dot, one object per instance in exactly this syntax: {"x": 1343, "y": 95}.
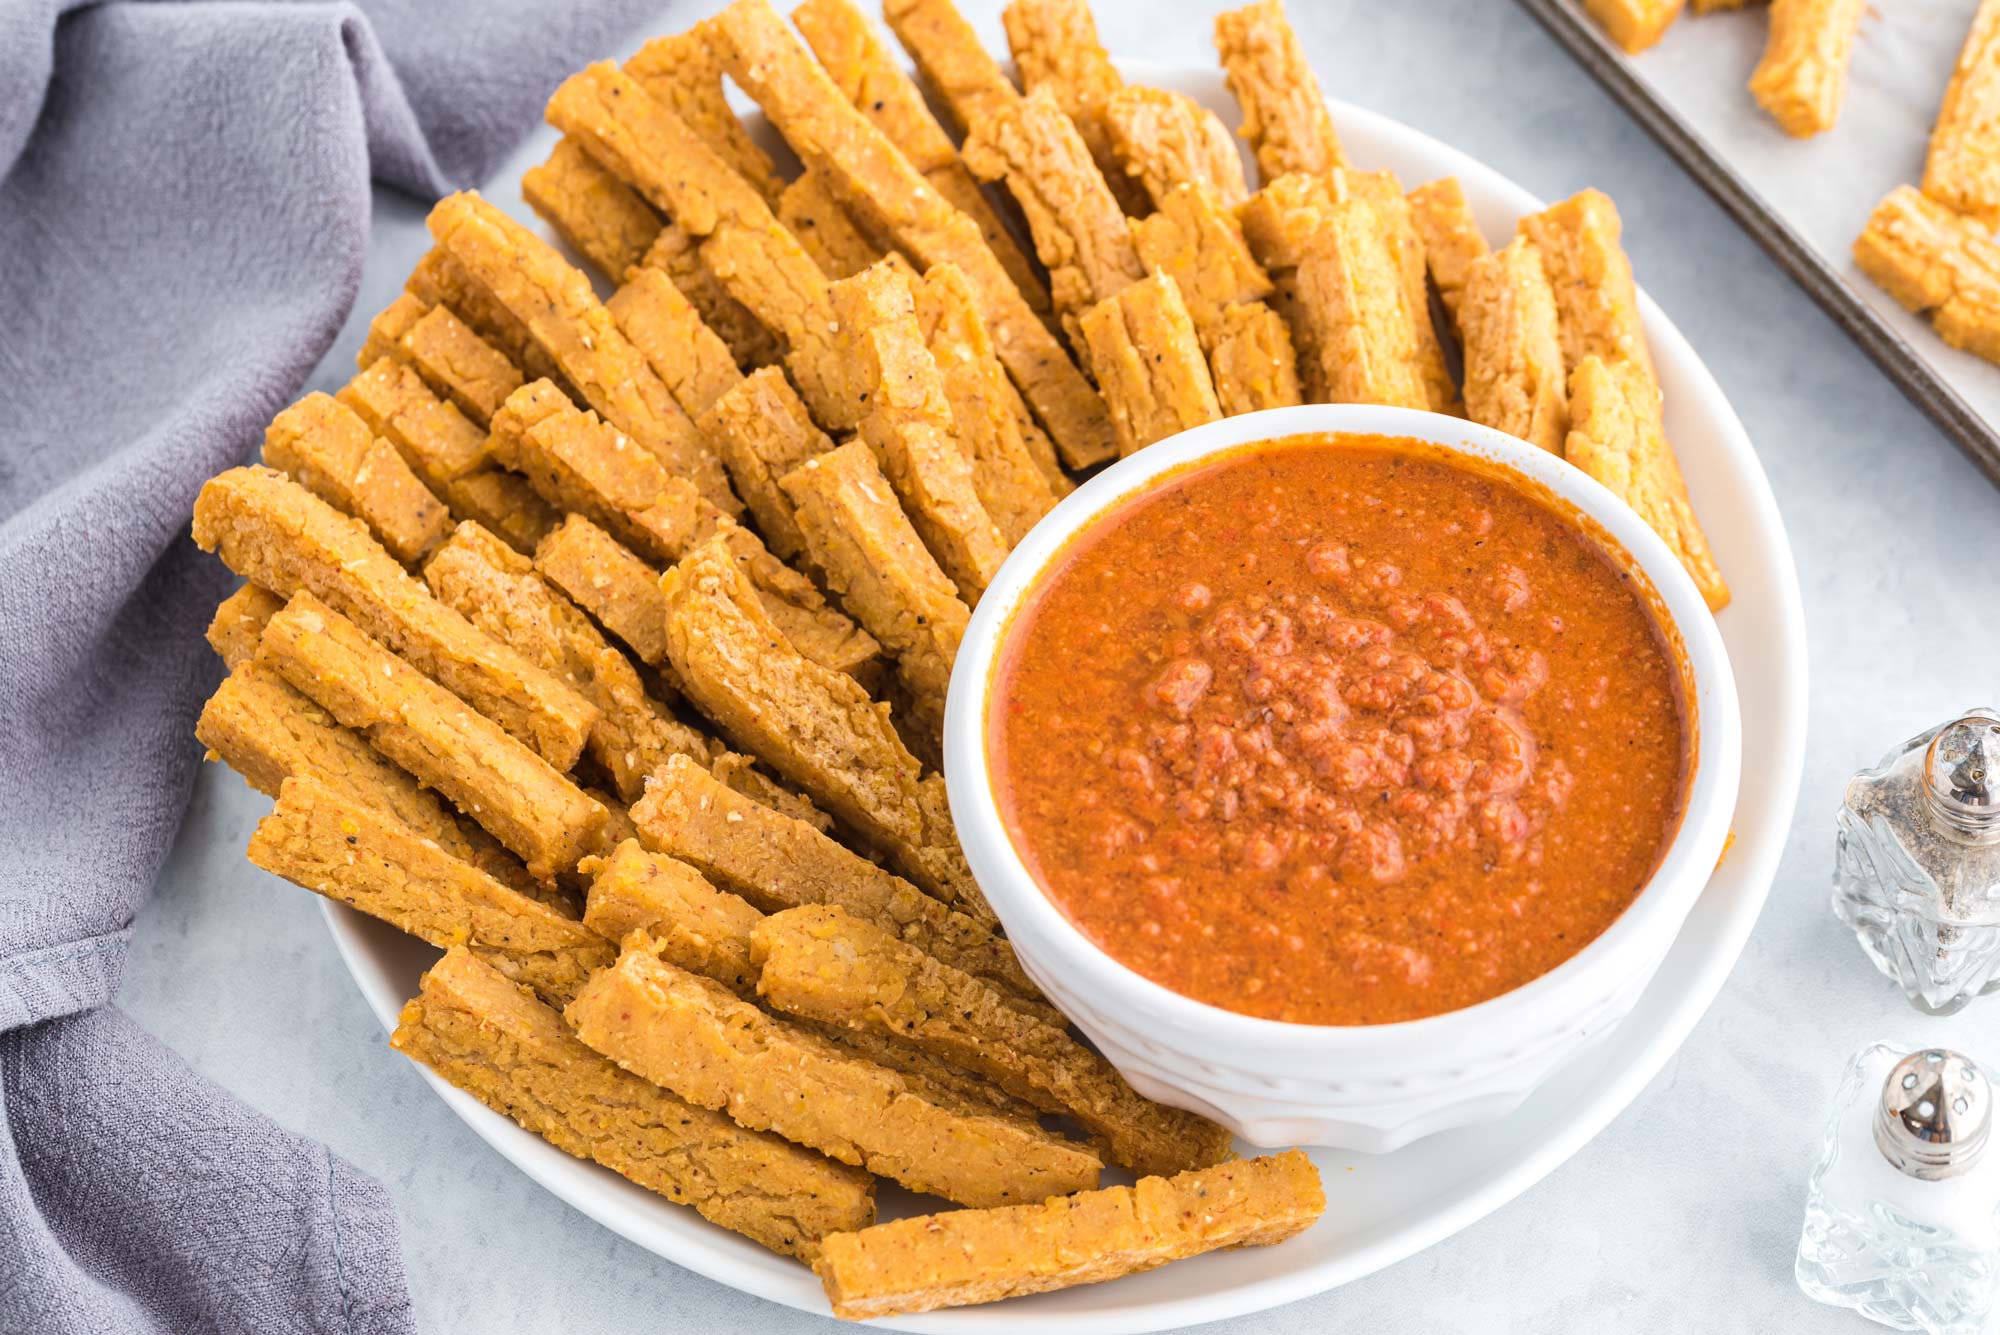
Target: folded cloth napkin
{"x": 184, "y": 208}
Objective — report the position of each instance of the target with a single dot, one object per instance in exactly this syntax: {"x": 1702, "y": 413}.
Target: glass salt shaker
{"x": 1917, "y": 865}
{"x": 1903, "y": 1217}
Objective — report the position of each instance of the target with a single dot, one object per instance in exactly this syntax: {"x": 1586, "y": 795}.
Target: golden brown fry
{"x": 689, "y": 357}
{"x": 691, "y": 1036}
{"x": 777, "y": 863}
{"x": 966, "y": 80}
{"x": 480, "y": 1032}
{"x": 441, "y": 282}
{"x": 326, "y": 843}
{"x": 908, "y": 425}
{"x": 1148, "y": 362}
{"x": 386, "y": 330}
{"x": 1616, "y": 436}
{"x": 435, "y": 438}
{"x": 1596, "y": 301}
{"x": 809, "y": 208}
{"x": 562, "y": 314}
{"x": 1055, "y": 46}
{"x": 1006, "y": 474}
{"x": 1395, "y": 214}
{"x": 1803, "y": 76}
{"x": 861, "y": 66}
{"x": 1080, "y": 231}
{"x": 497, "y": 590}
{"x": 763, "y": 431}
{"x": 1962, "y": 169}
{"x": 1195, "y": 240}
{"x": 334, "y": 455}
{"x": 878, "y": 568}
{"x": 896, "y": 204}
{"x": 605, "y": 579}
{"x": 1168, "y": 141}
{"x": 1450, "y": 234}
{"x": 1352, "y": 300}
{"x": 819, "y": 963}
{"x": 978, "y": 1256}
{"x": 1284, "y": 113}
{"x": 677, "y": 254}
{"x": 1932, "y": 260}
{"x": 1635, "y": 24}
{"x": 509, "y": 790}
{"x": 815, "y": 727}
{"x": 684, "y": 71}
{"x": 1514, "y": 378}
{"x": 458, "y": 363}
{"x": 273, "y": 532}
{"x": 600, "y": 217}
{"x": 503, "y": 503}
{"x": 239, "y": 623}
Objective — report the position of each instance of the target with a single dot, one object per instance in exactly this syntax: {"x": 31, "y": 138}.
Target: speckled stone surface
{"x": 1683, "y": 1214}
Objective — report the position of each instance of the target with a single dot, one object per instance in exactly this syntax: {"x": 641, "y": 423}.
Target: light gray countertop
{"x": 1684, "y": 1213}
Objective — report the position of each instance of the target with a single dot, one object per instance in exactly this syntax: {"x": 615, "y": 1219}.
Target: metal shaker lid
{"x": 1935, "y": 1114}
{"x": 1962, "y": 774}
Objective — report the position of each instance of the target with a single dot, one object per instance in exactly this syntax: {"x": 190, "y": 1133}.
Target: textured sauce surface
{"x": 1333, "y": 731}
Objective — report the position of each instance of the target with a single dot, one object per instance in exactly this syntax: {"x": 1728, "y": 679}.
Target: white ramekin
{"x": 1369, "y": 1088}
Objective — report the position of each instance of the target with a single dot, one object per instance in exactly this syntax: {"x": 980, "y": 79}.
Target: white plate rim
{"x": 726, "y": 1259}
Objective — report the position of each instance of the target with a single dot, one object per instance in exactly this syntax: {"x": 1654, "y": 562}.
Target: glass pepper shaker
{"x": 1917, "y": 865}
{"x": 1903, "y": 1217}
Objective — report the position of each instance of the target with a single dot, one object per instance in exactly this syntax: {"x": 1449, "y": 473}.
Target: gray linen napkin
{"x": 184, "y": 205}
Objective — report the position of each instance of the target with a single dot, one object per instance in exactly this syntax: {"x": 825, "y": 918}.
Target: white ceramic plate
{"x": 1386, "y": 1208}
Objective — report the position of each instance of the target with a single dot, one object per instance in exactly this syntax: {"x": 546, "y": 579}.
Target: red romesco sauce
{"x": 1331, "y": 730}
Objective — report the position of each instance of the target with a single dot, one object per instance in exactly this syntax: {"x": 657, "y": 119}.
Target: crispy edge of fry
{"x": 437, "y": 440}
{"x": 683, "y": 71}
{"x": 330, "y": 450}
{"x": 1597, "y": 301}
{"x": 950, "y": 59}
{"x": 763, "y": 430}
{"x": 1055, "y": 47}
{"x": 1284, "y": 113}
{"x": 595, "y": 213}
{"x": 1167, "y": 141}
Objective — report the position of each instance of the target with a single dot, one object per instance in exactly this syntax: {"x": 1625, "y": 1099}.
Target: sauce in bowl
{"x": 1338, "y": 731}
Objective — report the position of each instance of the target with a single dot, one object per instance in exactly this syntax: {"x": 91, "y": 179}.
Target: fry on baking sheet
{"x": 877, "y": 566}
{"x": 683, "y": 71}
{"x": 514, "y": 1054}
{"x": 239, "y": 623}
{"x": 1635, "y": 24}
{"x": 518, "y": 797}
{"x": 1803, "y": 76}
{"x": 908, "y": 425}
{"x": 1142, "y": 346}
{"x": 598, "y": 215}
{"x": 561, "y": 311}
{"x": 1962, "y": 169}
{"x": 861, "y": 66}
{"x": 690, "y": 358}
{"x": 331, "y": 451}
{"x": 966, "y": 80}
{"x": 439, "y": 281}
{"x": 691, "y": 1036}
{"x": 1080, "y": 232}
{"x": 777, "y": 863}
{"x": 1194, "y": 239}
{"x": 1167, "y": 140}
{"x": 439, "y": 442}
{"x": 812, "y": 213}
{"x": 319, "y": 840}
{"x": 887, "y": 194}
{"x": 817, "y": 728}
{"x": 497, "y": 589}
{"x": 1284, "y": 113}
{"x": 1514, "y": 379}
{"x": 677, "y": 254}
{"x": 820, "y": 963}
{"x": 707, "y": 931}
{"x": 274, "y": 532}
{"x": 978, "y": 1256}
{"x": 985, "y": 413}
{"x": 763, "y": 431}
{"x": 1932, "y": 260}
{"x": 1616, "y": 436}
{"x": 1055, "y": 46}
{"x": 265, "y": 730}
{"x": 1450, "y": 234}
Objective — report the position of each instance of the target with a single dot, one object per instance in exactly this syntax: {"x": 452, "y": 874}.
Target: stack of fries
{"x": 604, "y": 644}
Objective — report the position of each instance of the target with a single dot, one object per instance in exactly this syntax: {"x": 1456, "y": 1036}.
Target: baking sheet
{"x": 1805, "y": 200}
